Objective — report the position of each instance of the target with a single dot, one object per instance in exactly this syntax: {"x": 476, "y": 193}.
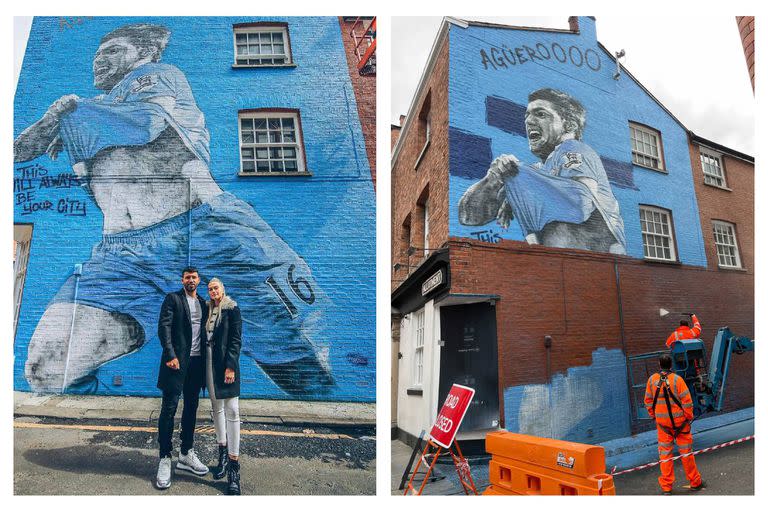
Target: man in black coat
{"x": 182, "y": 335}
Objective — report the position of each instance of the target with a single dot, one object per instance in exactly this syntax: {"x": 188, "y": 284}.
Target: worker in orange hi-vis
{"x": 685, "y": 331}
{"x": 669, "y": 403}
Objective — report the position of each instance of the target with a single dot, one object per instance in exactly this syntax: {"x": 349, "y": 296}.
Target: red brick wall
{"x": 408, "y": 183}
{"x": 736, "y": 206}
{"x": 365, "y": 92}
{"x": 747, "y": 32}
{"x": 573, "y": 296}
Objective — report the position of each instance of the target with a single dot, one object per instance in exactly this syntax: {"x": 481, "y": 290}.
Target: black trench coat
{"x": 225, "y": 348}
{"x": 175, "y": 332}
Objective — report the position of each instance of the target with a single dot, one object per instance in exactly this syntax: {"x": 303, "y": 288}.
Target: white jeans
{"x": 226, "y": 413}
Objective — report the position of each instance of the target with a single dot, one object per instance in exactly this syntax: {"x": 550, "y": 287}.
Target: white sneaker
{"x": 164, "y": 473}
{"x": 191, "y": 463}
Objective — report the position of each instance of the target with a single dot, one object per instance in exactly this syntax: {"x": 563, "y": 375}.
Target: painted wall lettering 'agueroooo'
{"x": 126, "y": 164}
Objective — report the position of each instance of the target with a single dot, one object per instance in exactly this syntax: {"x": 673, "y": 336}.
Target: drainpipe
{"x": 623, "y": 339}
{"x": 78, "y": 271}
{"x": 189, "y": 221}
{"x": 548, "y": 346}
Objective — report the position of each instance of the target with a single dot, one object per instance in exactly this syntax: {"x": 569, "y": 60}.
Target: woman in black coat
{"x": 224, "y": 328}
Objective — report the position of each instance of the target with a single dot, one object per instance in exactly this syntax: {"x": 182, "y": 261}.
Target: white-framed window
{"x": 262, "y": 44}
{"x": 426, "y": 228}
{"x": 646, "y": 146}
{"x": 271, "y": 142}
{"x": 418, "y": 348}
{"x": 725, "y": 243}
{"x": 658, "y": 237}
{"x": 713, "y": 169}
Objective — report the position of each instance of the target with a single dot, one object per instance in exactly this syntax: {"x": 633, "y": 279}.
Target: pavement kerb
{"x": 284, "y": 412}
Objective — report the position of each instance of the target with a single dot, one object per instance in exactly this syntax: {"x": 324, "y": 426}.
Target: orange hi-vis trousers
{"x": 684, "y": 442}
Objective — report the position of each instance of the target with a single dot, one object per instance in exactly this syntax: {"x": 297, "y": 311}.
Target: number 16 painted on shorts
{"x": 307, "y": 295}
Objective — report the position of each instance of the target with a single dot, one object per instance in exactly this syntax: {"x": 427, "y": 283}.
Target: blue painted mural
{"x": 585, "y": 405}
{"x": 540, "y": 148}
{"x": 129, "y": 137}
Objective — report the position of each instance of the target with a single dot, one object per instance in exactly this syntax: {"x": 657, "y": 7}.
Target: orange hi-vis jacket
{"x": 661, "y": 413}
{"x": 685, "y": 333}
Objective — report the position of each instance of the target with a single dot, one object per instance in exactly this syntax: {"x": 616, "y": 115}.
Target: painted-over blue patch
{"x": 505, "y": 115}
{"x": 472, "y": 154}
{"x": 584, "y": 405}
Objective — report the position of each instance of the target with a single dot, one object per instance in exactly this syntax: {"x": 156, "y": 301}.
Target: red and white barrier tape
{"x": 651, "y": 464}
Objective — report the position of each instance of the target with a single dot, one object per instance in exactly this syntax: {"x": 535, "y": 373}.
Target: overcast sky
{"x": 694, "y": 66}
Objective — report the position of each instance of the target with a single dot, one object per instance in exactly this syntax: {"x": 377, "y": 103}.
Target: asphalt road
{"x": 727, "y": 471}
{"x": 65, "y": 457}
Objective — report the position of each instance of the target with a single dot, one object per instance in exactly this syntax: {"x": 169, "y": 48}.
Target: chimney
{"x": 402, "y": 121}
{"x": 394, "y": 134}
{"x": 585, "y": 27}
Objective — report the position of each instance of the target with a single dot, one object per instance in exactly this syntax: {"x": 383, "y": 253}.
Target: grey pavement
{"x": 727, "y": 471}
{"x": 148, "y": 409}
{"x": 61, "y": 456}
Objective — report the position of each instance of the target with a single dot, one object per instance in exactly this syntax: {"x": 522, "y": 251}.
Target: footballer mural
{"x": 141, "y": 152}
{"x": 564, "y": 200}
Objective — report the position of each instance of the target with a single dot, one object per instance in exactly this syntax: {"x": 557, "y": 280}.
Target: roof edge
{"x": 719, "y": 147}
{"x": 442, "y": 32}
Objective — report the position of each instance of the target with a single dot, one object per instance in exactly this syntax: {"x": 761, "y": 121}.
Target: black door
{"x": 469, "y": 358}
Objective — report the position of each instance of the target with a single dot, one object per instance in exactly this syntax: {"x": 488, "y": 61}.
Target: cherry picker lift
{"x": 707, "y": 384}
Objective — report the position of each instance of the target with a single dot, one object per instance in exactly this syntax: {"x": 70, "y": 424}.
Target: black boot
{"x": 233, "y": 474}
{"x": 221, "y": 470}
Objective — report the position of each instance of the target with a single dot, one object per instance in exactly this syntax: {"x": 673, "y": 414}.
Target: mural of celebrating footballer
{"x": 566, "y": 200}
{"x": 142, "y": 152}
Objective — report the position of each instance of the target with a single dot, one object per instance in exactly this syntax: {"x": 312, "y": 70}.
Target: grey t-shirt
{"x": 195, "y": 313}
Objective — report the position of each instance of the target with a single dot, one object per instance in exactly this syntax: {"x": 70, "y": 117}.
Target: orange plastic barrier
{"x": 524, "y": 465}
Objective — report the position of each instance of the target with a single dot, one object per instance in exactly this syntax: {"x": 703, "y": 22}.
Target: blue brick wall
{"x": 492, "y": 71}
{"x": 583, "y": 405}
{"x": 327, "y": 219}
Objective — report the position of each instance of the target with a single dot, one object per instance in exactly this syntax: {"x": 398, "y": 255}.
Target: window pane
{"x": 265, "y": 37}
{"x": 261, "y": 137}
{"x": 277, "y": 37}
{"x": 248, "y": 166}
{"x": 253, "y": 49}
{"x": 275, "y": 136}
{"x": 262, "y": 153}
{"x": 289, "y": 152}
{"x": 247, "y": 137}
{"x": 241, "y": 38}
{"x": 278, "y": 49}
{"x": 277, "y": 166}
{"x": 290, "y": 165}
{"x": 287, "y": 122}
{"x": 289, "y": 137}
{"x": 247, "y": 153}
{"x": 262, "y": 165}
{"x": 242, "y": 49}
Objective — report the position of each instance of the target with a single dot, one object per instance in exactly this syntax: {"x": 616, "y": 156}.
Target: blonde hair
{"x": 217, "y": 280}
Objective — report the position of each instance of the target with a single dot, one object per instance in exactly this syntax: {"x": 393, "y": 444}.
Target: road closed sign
{"x": 451, "y": 414}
